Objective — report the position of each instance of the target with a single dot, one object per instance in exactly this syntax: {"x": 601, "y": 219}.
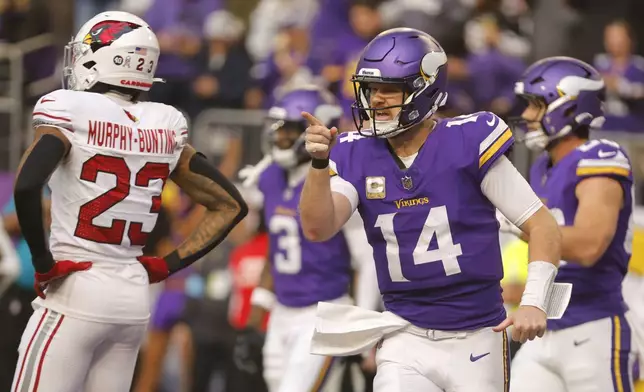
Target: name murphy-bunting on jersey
{"x": 122, "y": 137}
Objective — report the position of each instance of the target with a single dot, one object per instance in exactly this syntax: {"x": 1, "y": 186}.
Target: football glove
{"x": 156, "y": 267}
{"x": 60, "y": 269}
{"x": 247, "y": 353}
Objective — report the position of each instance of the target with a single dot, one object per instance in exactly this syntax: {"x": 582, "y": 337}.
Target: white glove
{"x": 506, "y": 226}
{"x": 250, "y": 174}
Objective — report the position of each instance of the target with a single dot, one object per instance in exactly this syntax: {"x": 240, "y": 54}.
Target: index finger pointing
{"x": 311, "y": 119}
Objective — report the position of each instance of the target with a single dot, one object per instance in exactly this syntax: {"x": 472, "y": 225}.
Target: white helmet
{"x": 115, "y": 48}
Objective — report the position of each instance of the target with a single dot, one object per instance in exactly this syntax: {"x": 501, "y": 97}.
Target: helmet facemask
{"x": 285, "y": 142}
{"x": 569, "y": 94}
{"x": 73, "y": 71}
{"x": 421, "y": 98}
{"x": 556, "y": 121}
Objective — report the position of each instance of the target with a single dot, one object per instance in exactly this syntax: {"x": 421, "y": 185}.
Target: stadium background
{"x": 225, "y": 61}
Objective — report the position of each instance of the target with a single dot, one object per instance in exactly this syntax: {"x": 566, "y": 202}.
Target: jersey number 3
{"x": 288, "y": 255}
{"x": 437, "y": 224}
{"x": 113, "y": 234}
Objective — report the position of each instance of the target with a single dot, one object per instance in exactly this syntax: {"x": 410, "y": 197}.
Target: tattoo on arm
{"x": 223, "y": 211}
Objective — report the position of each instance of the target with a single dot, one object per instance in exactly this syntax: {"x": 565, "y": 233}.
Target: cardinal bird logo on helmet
{"x": 108, "y": 31}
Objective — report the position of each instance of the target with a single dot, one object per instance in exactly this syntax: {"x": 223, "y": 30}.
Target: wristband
{"x": 320, "y": 163}
{"x": 538, "y": 287}
{"x": 263, "y": 298}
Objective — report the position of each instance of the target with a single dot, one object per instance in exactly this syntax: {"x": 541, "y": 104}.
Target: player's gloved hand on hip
{"x": 529, "y": 322}
{"x": 318, "y": 139}
{"x": 247, "y": 353}
{"x": 59, "y": 270}
{"x": 156, "y": 267}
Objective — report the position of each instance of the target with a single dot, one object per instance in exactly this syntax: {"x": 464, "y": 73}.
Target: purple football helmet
{"x": 411, "y": 59}
{"x": 572, "y": 91}
{"x": 286, "y": 114}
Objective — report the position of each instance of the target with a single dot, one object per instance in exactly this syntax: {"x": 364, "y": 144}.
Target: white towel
{"x": 342, "y": 330}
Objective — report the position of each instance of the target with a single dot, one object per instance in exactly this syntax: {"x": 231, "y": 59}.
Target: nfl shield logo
{"x": 407, "y": 182}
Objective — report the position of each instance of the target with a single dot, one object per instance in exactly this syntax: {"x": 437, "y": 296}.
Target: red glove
{"x": 156, "y": 267}
{"x": 61, "y": 269}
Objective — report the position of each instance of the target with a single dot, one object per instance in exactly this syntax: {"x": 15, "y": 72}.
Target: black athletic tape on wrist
{"x": 317, "y": 163}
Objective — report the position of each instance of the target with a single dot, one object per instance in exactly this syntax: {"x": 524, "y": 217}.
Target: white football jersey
{"x": 106, "y": 194}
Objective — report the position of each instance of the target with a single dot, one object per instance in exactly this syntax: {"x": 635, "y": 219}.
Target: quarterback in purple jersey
{"x": 427, "y": 191}
{"x": 301, "y": 272}
{"x": 588, "y": 187}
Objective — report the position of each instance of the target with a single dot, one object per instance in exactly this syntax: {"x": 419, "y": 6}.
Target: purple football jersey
{"x": 303, "y": 272}
{"x": 434, "y": 234}
{"x": 596, "y": 290}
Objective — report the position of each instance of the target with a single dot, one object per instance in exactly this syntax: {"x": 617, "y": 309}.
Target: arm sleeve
{"x": 508, "y": 191}
{"x": 342, "y": 186}
{"x": 367, "y": 294}
{"x": 36, "y": 169}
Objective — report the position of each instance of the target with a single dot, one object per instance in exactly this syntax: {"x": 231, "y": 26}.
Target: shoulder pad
{"x": 343, "y": 149}
{"x": 602, "y": 157}
{"x": 349, "y": 137}
{"x": 54, "y": 110}
{"x": 487, "y": 134}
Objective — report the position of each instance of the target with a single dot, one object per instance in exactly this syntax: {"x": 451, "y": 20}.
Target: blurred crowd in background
{"x": 225, "y": 62}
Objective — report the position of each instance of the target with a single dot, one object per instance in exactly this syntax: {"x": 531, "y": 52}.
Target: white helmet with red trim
{"x": 115, "y": 48}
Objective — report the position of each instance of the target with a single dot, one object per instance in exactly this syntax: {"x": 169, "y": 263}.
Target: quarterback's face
{"x": 533, "y": 113}
{"x": 383, "y": 95}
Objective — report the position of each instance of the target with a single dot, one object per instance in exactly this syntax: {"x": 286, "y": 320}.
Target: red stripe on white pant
{"x": 27, "y": 351}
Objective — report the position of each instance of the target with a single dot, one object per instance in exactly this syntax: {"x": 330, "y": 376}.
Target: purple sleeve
{"x": 341, "y": 153}
{"x": 604, "y": 158}
{"x": 493, "y": 139}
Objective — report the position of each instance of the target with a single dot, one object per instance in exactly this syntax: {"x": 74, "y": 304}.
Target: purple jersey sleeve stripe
{"x": 500, "y": 145}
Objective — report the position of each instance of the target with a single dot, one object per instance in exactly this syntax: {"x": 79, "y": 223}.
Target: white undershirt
{"x": 407, "y": 161}
{"x": 503, "y": 185}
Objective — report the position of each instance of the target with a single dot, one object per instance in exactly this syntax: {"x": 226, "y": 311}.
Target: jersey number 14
{"x": 113, "y": 234}
{"x": 437, "y": 224}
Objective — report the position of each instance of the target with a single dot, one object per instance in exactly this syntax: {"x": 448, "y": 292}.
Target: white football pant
{"x": 288, "y": 364}
{"x": 416, "y": 359}
{"x": 633, "y": 291}
{"x": 58, "y": 353}
{"x": 592, "y": 357}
